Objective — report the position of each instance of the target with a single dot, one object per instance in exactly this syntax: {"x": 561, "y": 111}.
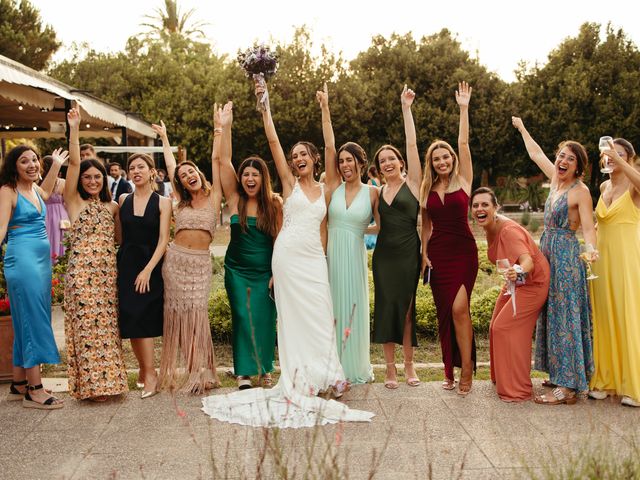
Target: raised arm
{"x": 463, "y": 97}
{"x": 71, "y": 195}
{"x": 284, "y": 172}
{"x": 222, "y": 121}
{"x": 533, "y": 149}
{"x": 46, "y": 187}
{"x": 332, "y": 177}
{"x": 216, "y": 192}
{"x": 414, "y": 169}
{"x": 169, "y": 159}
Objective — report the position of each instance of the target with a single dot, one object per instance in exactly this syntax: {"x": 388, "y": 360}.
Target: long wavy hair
{"x": 9, "y": 170}
{"x": 185, "y": 196}
{"x": 268, "y": 205}
{"x": 429, "y": 176}
{"x": 105, "y": 194}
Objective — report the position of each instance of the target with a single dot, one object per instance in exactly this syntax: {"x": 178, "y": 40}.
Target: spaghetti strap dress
{"x": 396, "y": 268}
{"x": 454, "y": 256}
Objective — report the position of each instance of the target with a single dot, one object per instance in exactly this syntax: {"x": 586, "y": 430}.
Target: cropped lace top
{"x": 189, "y": 218}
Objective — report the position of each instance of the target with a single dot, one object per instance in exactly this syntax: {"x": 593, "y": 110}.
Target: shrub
{"x": 525, "y": 218}
{"x": 482, "y": 309}
{"x": 534, "y": 225}
{"x": 220, "y": 316}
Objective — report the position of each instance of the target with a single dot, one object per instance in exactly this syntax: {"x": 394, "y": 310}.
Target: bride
{"x": 306, "y": 331}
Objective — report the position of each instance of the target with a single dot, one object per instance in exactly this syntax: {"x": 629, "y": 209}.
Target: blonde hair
{"x": 429, "y": 176}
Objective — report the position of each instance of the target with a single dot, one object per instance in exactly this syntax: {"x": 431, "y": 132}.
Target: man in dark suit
{"x": 120, "y": 184}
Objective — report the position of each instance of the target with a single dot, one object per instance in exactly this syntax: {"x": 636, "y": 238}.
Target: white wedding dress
{"x": 307, "y": 352}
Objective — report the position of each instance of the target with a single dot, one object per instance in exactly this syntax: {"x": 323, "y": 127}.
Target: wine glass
{"x": 603, "y": 145}
{"x": 585, "y": 255}
{"x": 502, "y": 265}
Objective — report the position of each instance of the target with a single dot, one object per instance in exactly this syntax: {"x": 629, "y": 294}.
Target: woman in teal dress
{"x": 256, "y": 216}
{"x": 350, "y": 210}
{"x": 27, "y": 269}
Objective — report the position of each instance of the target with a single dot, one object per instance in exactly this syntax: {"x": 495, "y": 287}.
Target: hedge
{"x": 482, "y": 303}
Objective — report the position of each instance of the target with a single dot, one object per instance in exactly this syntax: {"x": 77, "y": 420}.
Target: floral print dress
{"x": 94, "y": 349}
{"x": 563, "y": 332}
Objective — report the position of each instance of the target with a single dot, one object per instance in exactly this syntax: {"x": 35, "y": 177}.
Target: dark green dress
{"x": 396, "y": 267}
{"x": 247, "y": 270}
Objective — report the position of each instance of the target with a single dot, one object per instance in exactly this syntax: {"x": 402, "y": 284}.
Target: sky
{"x": 499, "y": 33}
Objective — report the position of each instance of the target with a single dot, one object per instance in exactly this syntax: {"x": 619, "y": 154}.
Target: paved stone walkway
{"x": 421, "y": 432}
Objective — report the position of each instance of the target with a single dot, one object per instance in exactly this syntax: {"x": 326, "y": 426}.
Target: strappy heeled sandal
{"x": 14, "y": 394}
{"x": 411, "y": 381}
{"x": 51, "y": 403}
{"x": 391, "y": 384}
{"x": 448, "y": 384}
{"x": 558, "y": 398}
{"x": 266, "y": 381}
{"x": 464, "y": 388}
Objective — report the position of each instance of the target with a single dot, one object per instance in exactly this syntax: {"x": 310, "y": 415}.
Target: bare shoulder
{"x": 165, "y": 202}
{"x": 276, "y": 198}
{"x": 6, "y": 192}
{"x": 604, "y": 185}
{"x": 122, "y": 198}
{"x": 113, "y": 207}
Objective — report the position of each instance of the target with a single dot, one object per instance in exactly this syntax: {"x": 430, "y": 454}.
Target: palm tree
{"x": 171, "y": 21}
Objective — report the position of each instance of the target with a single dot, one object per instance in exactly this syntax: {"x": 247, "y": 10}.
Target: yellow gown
{"x": 615, "y": 299}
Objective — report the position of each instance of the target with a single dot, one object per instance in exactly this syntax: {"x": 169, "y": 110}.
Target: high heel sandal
{"x": 15, "y": 394}
{"x": 266, "y": 380}
{"x": 448, "y": 384}
{"x": 391, "y": 384}
{"x": 51, "y": 403}
{"x": 411, "y": 381}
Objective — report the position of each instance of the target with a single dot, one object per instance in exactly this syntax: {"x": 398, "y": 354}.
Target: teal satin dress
{"x": 247, "y": 270}
{"x": 27, "y": 269}
{"x": 348, "y": 278}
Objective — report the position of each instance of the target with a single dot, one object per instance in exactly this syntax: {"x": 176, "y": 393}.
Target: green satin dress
{"x": 247, "y": 270}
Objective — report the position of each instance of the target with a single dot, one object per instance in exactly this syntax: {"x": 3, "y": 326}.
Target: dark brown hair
{"x": 626, "y": 144}
{"x": 150, "y": 163}
{"x": 376, "y": 157}
{"x": 105, "y": 194}
{"x": 9, "y": 170}
{"x": 268, "y": 205}
{"x": 358, "y": 154}
{"x": 185, "y": 196}
{"x": 480, "y": 190}
{"x": 579, "y": 151}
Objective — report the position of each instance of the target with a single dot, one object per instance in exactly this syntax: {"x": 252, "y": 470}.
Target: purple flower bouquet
{"x": 260, "y": 64}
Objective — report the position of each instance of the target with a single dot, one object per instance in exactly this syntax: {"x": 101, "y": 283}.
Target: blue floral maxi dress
{"x": 563, "y": 331}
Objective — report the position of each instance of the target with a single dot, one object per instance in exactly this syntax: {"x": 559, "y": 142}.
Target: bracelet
{"x": 74, "y": 143}
{"x": 217, "y": 129}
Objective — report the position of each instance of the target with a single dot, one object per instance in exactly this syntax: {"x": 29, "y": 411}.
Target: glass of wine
{"x": 585, "y": 255}
{"x": 603, "y": 145}
{"x": 502, "y": 265}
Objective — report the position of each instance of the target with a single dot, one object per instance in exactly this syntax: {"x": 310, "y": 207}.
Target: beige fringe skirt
{"x": 187, "y": 345}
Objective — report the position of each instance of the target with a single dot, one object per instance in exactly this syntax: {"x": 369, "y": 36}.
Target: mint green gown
{"x": 348, "y": 278}
{"x": 247, "y": 267}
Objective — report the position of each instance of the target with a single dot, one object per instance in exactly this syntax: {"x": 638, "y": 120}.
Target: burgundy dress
{"x": 454, "y": 257}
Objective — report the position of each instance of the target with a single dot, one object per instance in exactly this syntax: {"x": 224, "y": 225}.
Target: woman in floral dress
{"x": 96, "y": 367}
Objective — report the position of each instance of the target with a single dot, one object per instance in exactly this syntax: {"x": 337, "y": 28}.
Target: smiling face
{"x": 139, "y": 172}
{"x": 92, "y": 180}
{"x": 389, "y": 164}
{"x": 302, "y": 162}
{"x": 189, "y": 178}
{"x": 28, "y": 166}
{"x": 251, "y": 181}
{"x": 114, "y": 171}
{"x": 483, "y": 209}
{"x": 442, "y": 162}
{"x": 566, "y": 164}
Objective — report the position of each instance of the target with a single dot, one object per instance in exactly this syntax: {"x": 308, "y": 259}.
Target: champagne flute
{"x": 585, "y": 255}
{"x": 502, "y": 266}
{"x": 603, "y": 145}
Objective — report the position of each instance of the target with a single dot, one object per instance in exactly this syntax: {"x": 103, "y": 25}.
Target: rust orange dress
{"x": 510, "y": 335}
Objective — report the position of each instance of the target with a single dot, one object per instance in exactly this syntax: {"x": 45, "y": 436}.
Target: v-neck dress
{"x": 396, "y": 267}
{"x": 616, "y": 305}
{"x": 27, "y": 269}
{"x": 563, "y": 332}
{"x": 141, "y": 314}
{"x": 454, "y": 256}
{"x": 348, "y": 278}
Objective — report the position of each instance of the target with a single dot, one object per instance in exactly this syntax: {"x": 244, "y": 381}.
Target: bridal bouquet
{"x": 260, "y": 64}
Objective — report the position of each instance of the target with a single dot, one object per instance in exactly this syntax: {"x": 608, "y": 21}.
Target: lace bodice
{"x": 300, "y": 214}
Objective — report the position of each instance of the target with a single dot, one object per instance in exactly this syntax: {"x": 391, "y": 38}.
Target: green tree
{"x": 23, "y": 37}
{"x": 170, "y": 21}
{"x": 588, "y": 88}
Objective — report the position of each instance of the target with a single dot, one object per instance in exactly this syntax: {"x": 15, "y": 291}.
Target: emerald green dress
{"x": 247, "y": 270}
